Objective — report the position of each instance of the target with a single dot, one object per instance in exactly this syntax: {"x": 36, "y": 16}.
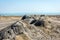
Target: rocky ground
{"x": 33, "y": 27}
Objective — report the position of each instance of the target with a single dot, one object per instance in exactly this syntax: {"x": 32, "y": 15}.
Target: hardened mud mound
{"x": 33, "y": 27}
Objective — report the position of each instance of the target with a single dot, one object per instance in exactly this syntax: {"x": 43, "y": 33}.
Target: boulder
{"x": 39, "y": 23}
{"x": 33, "y": 21}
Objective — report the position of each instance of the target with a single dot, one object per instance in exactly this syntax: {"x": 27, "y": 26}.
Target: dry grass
{"x": 9, "y": 18}
{"x": 19, "y": 37}
{"x": 22, "y": 37}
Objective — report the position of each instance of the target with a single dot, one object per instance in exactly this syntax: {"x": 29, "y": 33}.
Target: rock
{"x": 17, "y": 28}
{"x": 39, "y": 23}
{"x": 24, "y": 17}
{"x": 33, "y": 21}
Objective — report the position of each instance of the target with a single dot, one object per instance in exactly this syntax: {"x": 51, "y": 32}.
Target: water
{"x": 21, "y": 14}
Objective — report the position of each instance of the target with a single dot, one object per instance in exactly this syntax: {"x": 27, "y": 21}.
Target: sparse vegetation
{"x": 24, "y": 28}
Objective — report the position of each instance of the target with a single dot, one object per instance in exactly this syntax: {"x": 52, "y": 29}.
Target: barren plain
{"x": 36, "y": 27}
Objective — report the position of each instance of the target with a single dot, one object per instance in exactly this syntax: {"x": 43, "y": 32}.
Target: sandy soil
{"x": 4, "y": 20}
{"x": 19, "y": 37}
{"x": 9, "y": 18}
{"x": 52, "y": 30}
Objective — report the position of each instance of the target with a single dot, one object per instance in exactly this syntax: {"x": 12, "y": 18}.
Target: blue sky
{"x": 30, "y": 6}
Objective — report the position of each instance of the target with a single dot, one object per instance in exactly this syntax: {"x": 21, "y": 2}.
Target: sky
{"x": 11, "y": 7}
